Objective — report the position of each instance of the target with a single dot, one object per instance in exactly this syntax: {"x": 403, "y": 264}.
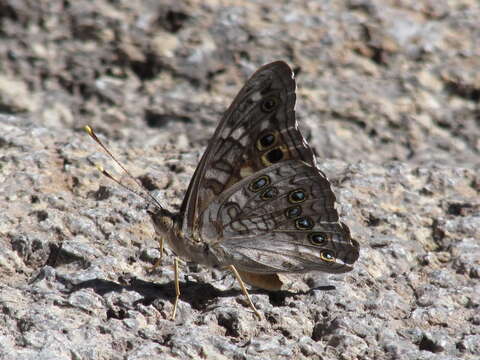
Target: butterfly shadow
{"x": 197, "y": 294}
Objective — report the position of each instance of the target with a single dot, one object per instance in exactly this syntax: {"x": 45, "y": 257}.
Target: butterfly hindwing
{"x": 281, "y": 219}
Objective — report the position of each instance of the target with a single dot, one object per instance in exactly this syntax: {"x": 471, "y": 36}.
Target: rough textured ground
{"x": 388, "y": 95}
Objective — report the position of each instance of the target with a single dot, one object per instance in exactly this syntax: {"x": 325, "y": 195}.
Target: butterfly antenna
{"x": 145, "y": 195}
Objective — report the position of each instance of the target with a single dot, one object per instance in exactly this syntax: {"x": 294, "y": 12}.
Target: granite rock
{"x": 388, "y": 95}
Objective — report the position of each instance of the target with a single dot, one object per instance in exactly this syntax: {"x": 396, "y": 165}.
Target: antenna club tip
{"x": 100, "y": 168}
{"x": 88, "y": 129}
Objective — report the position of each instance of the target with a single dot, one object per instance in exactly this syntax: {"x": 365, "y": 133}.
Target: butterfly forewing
{"x": 259, "y": 129}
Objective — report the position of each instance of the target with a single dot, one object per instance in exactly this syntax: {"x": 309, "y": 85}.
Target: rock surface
{"x": 388, "y": 95}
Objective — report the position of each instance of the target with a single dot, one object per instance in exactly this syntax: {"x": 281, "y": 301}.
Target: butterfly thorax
{"x": 187, "y": 246}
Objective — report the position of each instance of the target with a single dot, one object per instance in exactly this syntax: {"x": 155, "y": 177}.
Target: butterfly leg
{"x": 159, "y": 260}
{"x": 177, "y": 288}
{"x": 245, "y": 292}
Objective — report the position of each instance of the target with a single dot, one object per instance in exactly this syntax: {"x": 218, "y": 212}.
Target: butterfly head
{"x": 163, "y": 220}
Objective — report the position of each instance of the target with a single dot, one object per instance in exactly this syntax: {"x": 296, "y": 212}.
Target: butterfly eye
{"x": 327, "y": 255}
{"x": 269, "y": 104}
{"x": 259, "y": 183}
{"x": 269, "y": 193}
{"x": 304, "y": 223}
{"x": 293, "y": 212}
{"x": 266, "y": 141}
{"x": 317, "y": 239}
{"x": 297, "y": 196}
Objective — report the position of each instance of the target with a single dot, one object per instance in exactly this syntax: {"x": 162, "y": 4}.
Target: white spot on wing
{"x": 237, "y": 133}
{"x": 256, "y": 96}
{"x": 264, "y": 125}
{"x": 218, "y": 175}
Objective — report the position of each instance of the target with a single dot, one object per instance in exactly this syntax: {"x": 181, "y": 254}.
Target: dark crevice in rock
{"x": 427, "y": 344}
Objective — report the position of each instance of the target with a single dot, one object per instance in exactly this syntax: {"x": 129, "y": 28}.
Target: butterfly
{"x": 257, "y": 203}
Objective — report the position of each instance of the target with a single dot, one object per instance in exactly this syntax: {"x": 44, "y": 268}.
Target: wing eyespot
{"x": 304, "y": 223}
{"x": 327, "y": 255}
{"x": 269, "y": 104}
{"x": 273, "y": 156}
{"x": 259, "y": 183}
{"x": 269, "y": 193}
{"x": 266, "y": 140}
{"x": 293, "y": 212}
{"x": 297, "y": 196}
{"x": 317, "y": 239}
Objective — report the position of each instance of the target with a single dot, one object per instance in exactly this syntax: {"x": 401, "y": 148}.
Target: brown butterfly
{"x": 257, "y": 203}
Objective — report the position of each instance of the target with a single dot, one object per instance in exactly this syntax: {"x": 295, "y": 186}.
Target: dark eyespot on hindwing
{"x": 259, "y": 183}
{"x": 317, "y": 239}
{"x": 293, "y": 212}
{"x": 304, "y": 223}
{"x": 327, "y": 255}
{"x": 269, "y": 193}
{"x": 297, "y": 196}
